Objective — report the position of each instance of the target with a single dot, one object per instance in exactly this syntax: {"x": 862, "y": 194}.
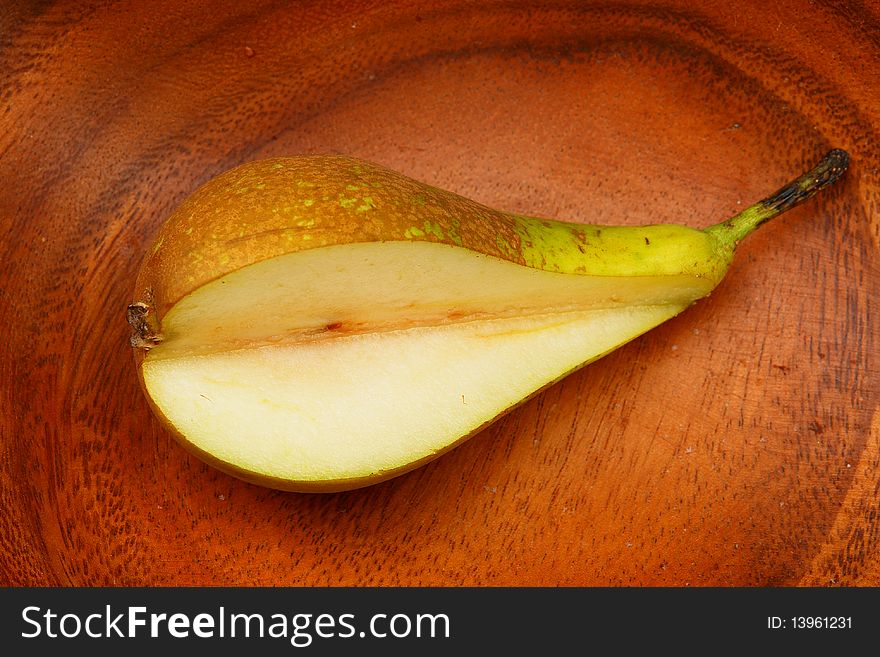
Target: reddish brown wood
{"x": 737, "y": 444}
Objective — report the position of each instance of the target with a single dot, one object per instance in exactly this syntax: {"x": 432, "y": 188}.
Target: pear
{"x": 320, "y": 323}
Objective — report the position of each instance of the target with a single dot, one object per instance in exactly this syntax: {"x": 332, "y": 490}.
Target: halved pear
{"x": 321, "y": 323}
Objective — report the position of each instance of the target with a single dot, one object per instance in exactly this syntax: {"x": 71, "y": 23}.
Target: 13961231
{"x": 821, "y": 622}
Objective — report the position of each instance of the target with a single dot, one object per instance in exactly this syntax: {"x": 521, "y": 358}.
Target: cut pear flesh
{"x": 358, "y": 361}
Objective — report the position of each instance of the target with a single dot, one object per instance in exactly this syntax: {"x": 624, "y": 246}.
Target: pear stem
{"x": 827, "y": 172}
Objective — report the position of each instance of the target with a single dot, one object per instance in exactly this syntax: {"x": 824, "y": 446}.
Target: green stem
{"x": 828, "y": 171}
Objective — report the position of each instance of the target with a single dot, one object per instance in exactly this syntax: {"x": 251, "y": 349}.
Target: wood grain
{"x": 738, "y": 444}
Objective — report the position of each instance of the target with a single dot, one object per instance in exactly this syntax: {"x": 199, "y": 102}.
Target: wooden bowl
{"x": 738, "y": 444}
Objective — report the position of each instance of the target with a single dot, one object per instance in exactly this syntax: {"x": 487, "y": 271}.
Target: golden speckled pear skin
{"x": 273, "y": 271}
{"x": 271, "y": 207}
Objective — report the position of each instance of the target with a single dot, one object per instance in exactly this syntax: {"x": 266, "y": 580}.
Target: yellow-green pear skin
{"x": 320, "y": 323}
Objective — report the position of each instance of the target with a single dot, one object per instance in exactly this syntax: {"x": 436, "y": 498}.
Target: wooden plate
{"x": 738, "y": 444}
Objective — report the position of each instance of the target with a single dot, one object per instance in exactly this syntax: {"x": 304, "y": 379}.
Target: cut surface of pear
{"x": 352, "y": 362}
{"x": 320, "y": 323}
